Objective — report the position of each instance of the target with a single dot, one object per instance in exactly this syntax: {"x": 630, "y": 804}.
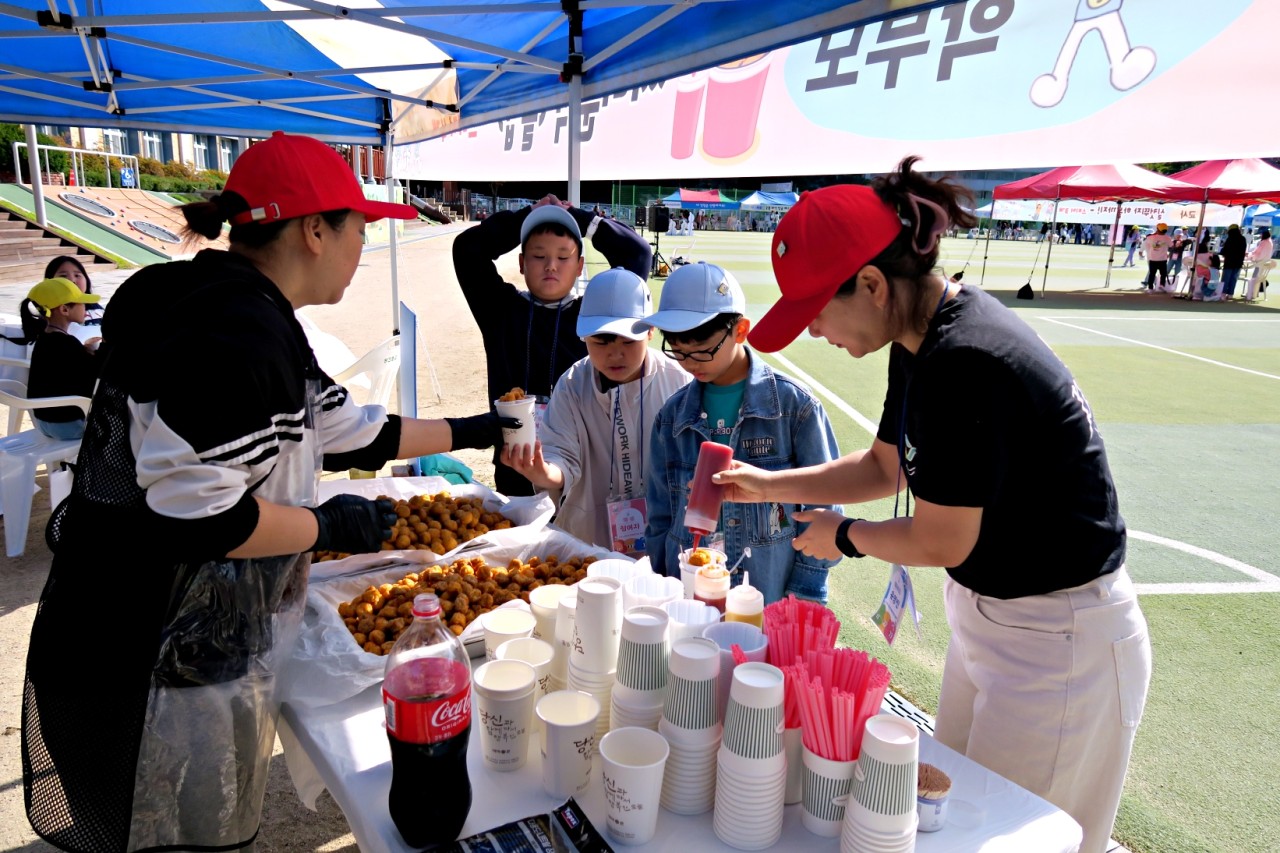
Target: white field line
{"x": 1266, "y": 582}
{"x": 1163, "y": 349}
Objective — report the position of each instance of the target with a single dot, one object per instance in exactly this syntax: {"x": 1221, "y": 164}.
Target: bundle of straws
{"x": 794, "y": 627}
{"x": 836, "y": 691}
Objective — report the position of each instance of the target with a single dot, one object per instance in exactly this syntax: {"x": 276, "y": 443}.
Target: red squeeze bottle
{"x": 703, "y": 512}
{"x": 427, "y": 698}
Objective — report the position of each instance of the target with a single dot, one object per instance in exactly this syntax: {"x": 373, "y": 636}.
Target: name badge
{"x": 898, "y": 596}
{"x": 627, "y": 520}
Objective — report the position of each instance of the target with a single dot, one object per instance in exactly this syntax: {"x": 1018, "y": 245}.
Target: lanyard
{"x": 902, "y": 424}
{"x": 528, "y": 349}
{"x": 620, "y": 429}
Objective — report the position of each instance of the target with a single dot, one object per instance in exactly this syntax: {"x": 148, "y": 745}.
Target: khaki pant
{"x": 1048, "y": 691}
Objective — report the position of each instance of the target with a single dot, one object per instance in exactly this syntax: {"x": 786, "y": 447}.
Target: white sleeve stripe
{"x": 282, "y": 423}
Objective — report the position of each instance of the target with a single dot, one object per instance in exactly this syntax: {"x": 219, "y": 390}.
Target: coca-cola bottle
{"x": 427, "y": 698}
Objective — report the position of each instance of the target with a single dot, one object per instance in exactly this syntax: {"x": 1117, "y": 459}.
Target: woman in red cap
{"x": 1047, "y": 671}
{"x": 149, "y": 708}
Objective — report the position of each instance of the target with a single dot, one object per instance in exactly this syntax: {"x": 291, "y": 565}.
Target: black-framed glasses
{"x": 696, "y": 355}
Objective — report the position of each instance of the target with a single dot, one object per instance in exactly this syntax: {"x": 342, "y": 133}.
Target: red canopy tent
{"x": 1246, "y": 181}
{"x": 1118, "y": 182}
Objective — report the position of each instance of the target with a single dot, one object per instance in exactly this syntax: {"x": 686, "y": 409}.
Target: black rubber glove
{"x": 353, "y": 525}
{"x": 480, "y": 431}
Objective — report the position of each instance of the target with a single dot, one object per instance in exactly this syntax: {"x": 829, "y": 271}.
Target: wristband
{"x": 842, "y": 539}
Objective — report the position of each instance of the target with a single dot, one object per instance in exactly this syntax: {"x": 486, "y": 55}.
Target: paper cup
{"x": 544, "y": 602}
{"x": 883, "y": 796}
{"x": 623, "y": 570}
{"x": 792, "y": 744}
{"x": 632, "y": 762}
{"x": 566, "y": 610}
{"x": 826, "y": 790}
{"x": 521, "y": 409}
{"x": 567, "y": 741}
{"x": 597, "y": 624}
{"x": 688, "y": 572}
{"x": 538, "y": 654}
{"x": 505, "y": 623}
{"x": 504, "y": 691}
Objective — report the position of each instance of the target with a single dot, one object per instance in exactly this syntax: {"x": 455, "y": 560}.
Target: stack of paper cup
{"x": 566, "y": 609}
{"x": 642, "y": 670}
{"x": 593, "y": 653}
{"x": 689, "y": 618}
{"x": 751, "y": 766}
{"x": 753, "y": 642}
{"x": 623, "y": 570}
{"x": 650, "y": 590}
{"x": 543, "y": 601}
{"x": 881, "y": 813}
{"x": 825, "y": 792}
{"x": 690, "y": 726}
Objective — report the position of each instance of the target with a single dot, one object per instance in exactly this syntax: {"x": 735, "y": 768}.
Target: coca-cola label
{"x": 429, "y": 720}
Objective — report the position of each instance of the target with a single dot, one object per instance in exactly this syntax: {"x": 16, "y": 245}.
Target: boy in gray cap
{"x": 529, "y": 337}
{"x": 769, "y": 419}
{"x": 592, "y": 451}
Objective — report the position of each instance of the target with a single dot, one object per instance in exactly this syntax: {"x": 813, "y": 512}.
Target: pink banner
{"x": 983, "y": 84}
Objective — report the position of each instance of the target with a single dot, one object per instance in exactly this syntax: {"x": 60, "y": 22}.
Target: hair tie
{"x": 926, "y": 242}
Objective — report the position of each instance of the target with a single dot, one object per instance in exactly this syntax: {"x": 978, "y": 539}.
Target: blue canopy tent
{"x": 402, "y": 70}
{"x": 761, "y": 200}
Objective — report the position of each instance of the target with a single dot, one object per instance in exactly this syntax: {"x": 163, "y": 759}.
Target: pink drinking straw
{"x": 739, "y": 656}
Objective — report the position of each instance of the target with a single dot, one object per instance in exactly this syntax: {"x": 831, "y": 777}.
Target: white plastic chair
{"x": 20, "y": 456}
{"x": 381, "y": 365}
{"x": 17, "y": 389}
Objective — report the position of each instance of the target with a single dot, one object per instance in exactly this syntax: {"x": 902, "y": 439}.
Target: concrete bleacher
{"x": 25, "y": 250}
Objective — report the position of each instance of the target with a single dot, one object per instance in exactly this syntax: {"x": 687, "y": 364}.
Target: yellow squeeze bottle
{"x": 745, "y": 603}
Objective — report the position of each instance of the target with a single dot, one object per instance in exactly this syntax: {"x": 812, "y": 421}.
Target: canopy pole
{"x": 1115, "y": 229}
{"x": 986, "y": 250}
{"x": 575, "y": 141}
{"x": 37, "y": 182}
{"x": 1053, "y": 236}
{"x": 393, "y": 243}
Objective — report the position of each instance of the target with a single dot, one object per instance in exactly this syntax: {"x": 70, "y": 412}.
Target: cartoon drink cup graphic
{"x": 734, "y": 92}
{"x": 684, "y": 123}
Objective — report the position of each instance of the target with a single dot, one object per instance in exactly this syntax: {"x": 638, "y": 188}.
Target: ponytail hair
{"x": 205, "y": 218}
{"x": 33, "y": 320}
{"x": 928, "y": 208}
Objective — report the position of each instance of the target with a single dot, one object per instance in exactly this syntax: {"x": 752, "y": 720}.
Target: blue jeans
{"x": 1229, "y": 278}
{"x": 61, "y": 430}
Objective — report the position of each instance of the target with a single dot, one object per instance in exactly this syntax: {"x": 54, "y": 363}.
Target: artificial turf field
{"x": 1187, "y": 396}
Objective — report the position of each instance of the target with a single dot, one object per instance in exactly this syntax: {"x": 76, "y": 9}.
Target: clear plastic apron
{"x": 211, "y": 716}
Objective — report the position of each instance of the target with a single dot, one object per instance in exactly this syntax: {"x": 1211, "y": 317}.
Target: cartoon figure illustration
{"x": 1129, "y": 65}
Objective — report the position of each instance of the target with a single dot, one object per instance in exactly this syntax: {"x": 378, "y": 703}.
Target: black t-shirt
{"x": 60, "y": 367}
{"x": 995, "y": 420}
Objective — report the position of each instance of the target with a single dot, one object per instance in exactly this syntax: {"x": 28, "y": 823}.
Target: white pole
{"x": 391, "y": 230}
{"x": 37, "y": 185}
{"x": 1115, "y": 229}
{"x": 575, "y": 143}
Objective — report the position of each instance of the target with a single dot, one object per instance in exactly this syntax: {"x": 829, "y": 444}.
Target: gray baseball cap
{"x": 552, "y": 214}
{"x": 694, "y": 294}
{"x": 614, "y": 300}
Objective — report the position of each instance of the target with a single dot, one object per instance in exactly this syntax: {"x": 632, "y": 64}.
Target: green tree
{"x": 11, "y": 133}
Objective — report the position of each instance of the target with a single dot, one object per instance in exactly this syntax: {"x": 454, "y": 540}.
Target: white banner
{"x": 1132, "y": 213}
{"x": 983, "y": 84}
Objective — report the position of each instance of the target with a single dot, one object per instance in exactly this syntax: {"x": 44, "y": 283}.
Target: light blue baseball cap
{"x": 693, "y": 295}
{"x": 550, "y": 214}
{"x": 612, "y": 303}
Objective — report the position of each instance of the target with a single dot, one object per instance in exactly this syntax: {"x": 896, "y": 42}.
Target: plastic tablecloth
{"x": 343, "y": 747}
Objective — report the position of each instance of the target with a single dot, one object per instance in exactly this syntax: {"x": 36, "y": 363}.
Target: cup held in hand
{"x": 521, "y": 410}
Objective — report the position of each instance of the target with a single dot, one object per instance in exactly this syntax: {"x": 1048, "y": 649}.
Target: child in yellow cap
{"x": 60, "y": 364}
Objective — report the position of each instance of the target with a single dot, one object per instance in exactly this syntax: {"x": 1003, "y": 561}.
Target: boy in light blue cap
{"x": 593, "y": 447}
{"x": 769, "y": 419}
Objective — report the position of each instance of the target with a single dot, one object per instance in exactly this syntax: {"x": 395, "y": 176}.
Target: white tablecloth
{"x": 344, "y": 748}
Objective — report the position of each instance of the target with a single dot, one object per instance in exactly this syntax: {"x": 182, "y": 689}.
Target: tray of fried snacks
{"x": 433, "y": 519}
{"x": 352, "y": 620}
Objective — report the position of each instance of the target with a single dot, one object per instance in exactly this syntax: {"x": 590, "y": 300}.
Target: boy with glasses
{"x": 530, "y": 335}
{"x": 770, "y": 421}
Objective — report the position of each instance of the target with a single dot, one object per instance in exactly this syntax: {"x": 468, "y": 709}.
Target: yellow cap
{"x": 52, "y": 292}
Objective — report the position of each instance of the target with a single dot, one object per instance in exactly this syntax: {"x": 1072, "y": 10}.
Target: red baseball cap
{"x": 287, "y": 176}
{"x": 822, "y": 241}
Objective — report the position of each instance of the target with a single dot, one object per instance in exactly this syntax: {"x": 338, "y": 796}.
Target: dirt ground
{"x": 449, "y": 342}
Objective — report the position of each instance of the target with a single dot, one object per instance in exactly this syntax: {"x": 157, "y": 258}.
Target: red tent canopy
{"x": 1101, "y": 183}
{"x": 1246, "y": 181}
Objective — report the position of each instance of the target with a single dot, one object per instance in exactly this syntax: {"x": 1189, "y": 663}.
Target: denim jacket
{"x": 781, "y": 426}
